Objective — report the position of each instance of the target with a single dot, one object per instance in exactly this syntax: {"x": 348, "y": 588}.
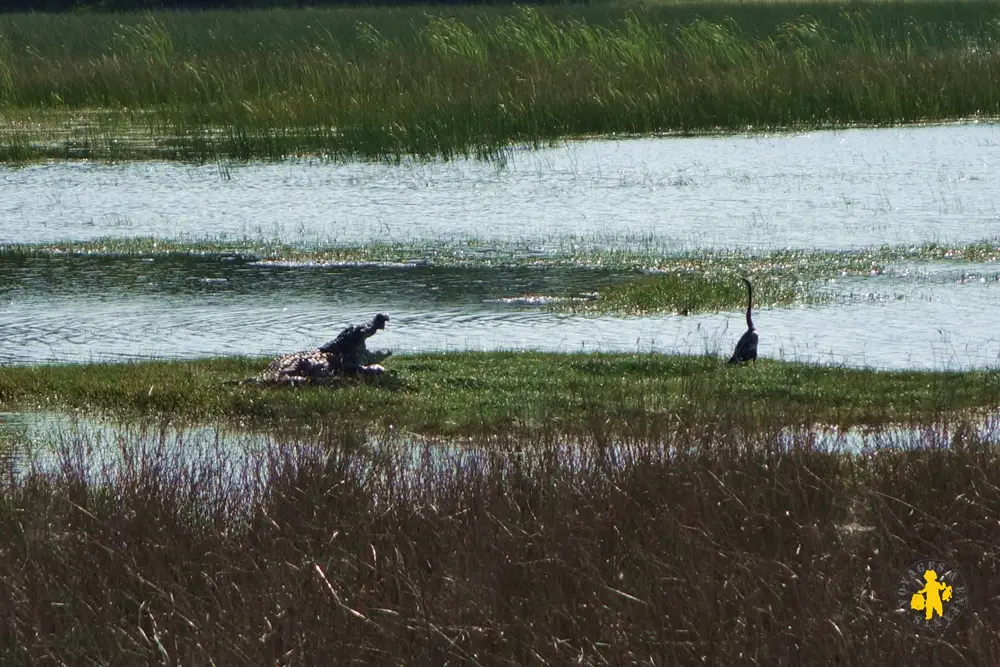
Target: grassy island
{"x": 483, "y": 394}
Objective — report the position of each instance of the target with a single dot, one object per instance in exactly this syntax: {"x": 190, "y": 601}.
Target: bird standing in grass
{"x": 746, "y": 348}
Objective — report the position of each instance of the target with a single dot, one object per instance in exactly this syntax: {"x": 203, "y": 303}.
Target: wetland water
{"x": 48, "y": 441}
{"x": 819, "y": 190}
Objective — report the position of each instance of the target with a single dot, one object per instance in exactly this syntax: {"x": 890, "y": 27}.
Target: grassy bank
{"x": 476, "y": 394}
{"x": 472, "y": 81}
{"x": 735, "y": 554}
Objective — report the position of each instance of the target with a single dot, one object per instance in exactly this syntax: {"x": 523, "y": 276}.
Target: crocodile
{"x": 346, "y": 355}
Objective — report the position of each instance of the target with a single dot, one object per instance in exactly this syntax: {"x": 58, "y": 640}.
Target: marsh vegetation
{"x": 640, "y": 278}
{"x": 718, "y": 546}
{"x": 385, "y": 83}
{"x": 510, "y": 506}
{"x": 494, "y": 507}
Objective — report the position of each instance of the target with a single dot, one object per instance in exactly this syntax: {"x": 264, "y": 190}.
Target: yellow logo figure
{"x": 934, "y": 588}
{"x": 928, "y": 599}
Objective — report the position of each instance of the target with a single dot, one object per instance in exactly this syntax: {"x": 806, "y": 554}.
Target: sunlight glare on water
{"x": 884, "y": 322}
{"x": 824, "y": 190}
{"x": 831, "y": 190}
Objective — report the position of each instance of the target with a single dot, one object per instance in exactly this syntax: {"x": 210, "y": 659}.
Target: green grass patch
{"x": 685, "y": 293}
{"x": 478, "y": 394}
{"x": 387, "y": 83}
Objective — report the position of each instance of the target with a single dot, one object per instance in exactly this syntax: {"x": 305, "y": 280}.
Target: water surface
{"x": 817, "y": 190}
{"x": 49, "y": 442}
{"x": 830, "y": 190}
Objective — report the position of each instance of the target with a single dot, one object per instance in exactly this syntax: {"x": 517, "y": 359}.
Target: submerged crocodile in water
{"x": 345, "y": 355}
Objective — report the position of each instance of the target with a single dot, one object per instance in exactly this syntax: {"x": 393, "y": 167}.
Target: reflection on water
{"x": 48, "y": 442}
{"x": 863, "y": 439}
{"x": 44, "y": 439}
{"x": 222, "y": 277}
{"x": 832, "y": 190}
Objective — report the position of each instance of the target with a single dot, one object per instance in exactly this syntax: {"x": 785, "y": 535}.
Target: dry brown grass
{"x": 736, "y": 552}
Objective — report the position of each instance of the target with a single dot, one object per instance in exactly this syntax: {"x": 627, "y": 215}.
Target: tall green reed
{"x": 413, "y": 82}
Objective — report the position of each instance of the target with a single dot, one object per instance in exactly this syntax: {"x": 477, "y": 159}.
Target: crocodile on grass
{"x": 345, "y": 355}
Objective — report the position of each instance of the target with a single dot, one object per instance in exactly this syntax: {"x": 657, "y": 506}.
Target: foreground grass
{"x": 733, "y": 550}
{"x": 486, "y": 394}
{"x": 383, "y": 83}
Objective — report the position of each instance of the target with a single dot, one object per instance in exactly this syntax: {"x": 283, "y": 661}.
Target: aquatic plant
{"x": 382, "y": 84}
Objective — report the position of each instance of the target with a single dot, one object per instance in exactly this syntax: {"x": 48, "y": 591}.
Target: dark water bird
{"x": 746, "y": 348}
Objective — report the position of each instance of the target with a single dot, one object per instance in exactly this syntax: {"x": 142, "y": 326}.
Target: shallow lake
{"x": 820, "y": 190}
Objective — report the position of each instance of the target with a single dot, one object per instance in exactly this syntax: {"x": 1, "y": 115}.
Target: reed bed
{"x": 384, "y": 84}
{"x": 721, "y": 549}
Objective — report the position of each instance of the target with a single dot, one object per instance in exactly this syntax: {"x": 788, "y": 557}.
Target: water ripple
{"x": 826, "y": 190}
{"x": 833, "y": 190}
